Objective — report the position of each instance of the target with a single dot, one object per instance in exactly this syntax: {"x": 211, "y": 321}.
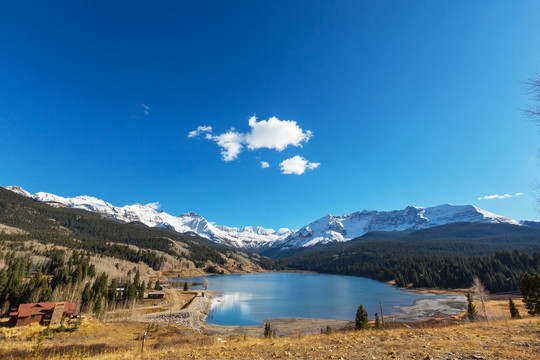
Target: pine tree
{"x": 471, "y": 309}
{"x": 267, "y": 331}
{"x": 112, "y": 292}
{"x": 186, "y": 286}
{"x": 514, "y": 312}
{"x": 140, "y": 294}
{"x": 137, "y": 279}
{"x": 530, "y": 289}
{"x": 157, "y": 285}
{"x": 86, "y": 296}
{"x": 97, "y": 306}
{"x": 377, "y": 322}
{"x": 361, "y": 321}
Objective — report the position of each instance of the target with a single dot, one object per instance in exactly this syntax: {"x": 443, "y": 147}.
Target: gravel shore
{"x": 193, "y": 316}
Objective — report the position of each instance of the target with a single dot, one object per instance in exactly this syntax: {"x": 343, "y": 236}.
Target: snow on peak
{"x": 346, "y": 227}
{"x": 190, "y": 222}
{"x": 329, "y": 228}
{"x": 19, "y": 190}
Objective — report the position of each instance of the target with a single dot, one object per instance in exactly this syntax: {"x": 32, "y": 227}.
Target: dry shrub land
{"x": 501, "y": 339}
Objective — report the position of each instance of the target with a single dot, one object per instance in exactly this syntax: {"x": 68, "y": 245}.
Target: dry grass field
{"x": 501, "y": 339}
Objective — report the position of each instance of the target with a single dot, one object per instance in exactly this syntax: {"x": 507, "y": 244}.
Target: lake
{"x": 248, "y": 299}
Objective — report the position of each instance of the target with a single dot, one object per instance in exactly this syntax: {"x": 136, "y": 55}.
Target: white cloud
{"x": 155, "y": 205}
{"x": 275, "y": 134}
{"x": 230, "y": 143}
{"x": 296, "y": 165}
{"x": 265, "y": 134}
{"x": 497, "y": 196}
{"x": 200, "y": 130}
{"x": 146, "y": 109}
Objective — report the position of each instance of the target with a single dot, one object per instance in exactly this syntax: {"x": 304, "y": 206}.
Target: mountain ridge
{"x": 326, "y": 229}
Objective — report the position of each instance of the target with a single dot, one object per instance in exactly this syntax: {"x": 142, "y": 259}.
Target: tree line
{"x": 499, "y": 272}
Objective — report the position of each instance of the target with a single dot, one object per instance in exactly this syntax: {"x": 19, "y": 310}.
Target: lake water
{"x": 248, "y": 299}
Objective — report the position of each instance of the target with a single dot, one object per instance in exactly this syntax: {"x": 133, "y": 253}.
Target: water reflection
{"x": 248, "y": 299}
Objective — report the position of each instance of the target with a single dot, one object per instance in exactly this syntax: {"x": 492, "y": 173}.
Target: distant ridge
{"x": 327, "y": 229}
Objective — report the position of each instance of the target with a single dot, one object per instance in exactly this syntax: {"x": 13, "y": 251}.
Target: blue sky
{"x": 400, "y": 103}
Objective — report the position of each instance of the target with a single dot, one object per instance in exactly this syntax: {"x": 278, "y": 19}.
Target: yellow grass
{"x": 12, "y": 230}
{"x": 516, "y": 339}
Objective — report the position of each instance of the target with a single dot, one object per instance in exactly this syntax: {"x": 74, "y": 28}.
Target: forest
{"x": 76, "y": 279}
{"x": 500, "y": 272}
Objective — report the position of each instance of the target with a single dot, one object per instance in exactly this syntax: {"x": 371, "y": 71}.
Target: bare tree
{"x": 206, "y": 283}
{"x": 533, "y": 112}
{"x": 481, "y": 294}
{"x": 534, "y": 89}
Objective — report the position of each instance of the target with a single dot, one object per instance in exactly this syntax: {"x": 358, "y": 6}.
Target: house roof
{"x": 26, "y": 310}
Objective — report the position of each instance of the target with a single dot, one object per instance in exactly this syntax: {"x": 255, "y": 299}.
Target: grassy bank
{"x": 503, "y": 339}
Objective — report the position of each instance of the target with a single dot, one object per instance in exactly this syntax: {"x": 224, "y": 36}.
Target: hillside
{"x": 27, "y": 222}
{"x": 447, "y": 256}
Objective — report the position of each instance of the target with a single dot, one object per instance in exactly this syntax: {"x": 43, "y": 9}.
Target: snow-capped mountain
{"x": 326, "y": 229}
{"x": 245, "y": 237}
{"x": 346, "y": 227}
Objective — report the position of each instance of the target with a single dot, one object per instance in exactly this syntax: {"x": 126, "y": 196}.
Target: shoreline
{"x": 282, "y": 326}
{"x": 195, "y": 314}
{"x": 192, "y": 316}
{"x": 426, "y": 309}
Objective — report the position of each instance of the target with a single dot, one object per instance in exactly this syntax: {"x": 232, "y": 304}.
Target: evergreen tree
{"x": 137, "y": 279}
{"x": 514, "y": 312}
{"x": 92, "y": 270}
{"x": 78, "y": 276}
{"x": 377, "y": 322}
{"x": 530, "y": 289}
{"x": 112, "y": 292}
{"x": 140, "y": 293}
{"x": 126, "y": 295}
{"x": 471, "y": 309}
{"x": 186, "y": 286}
{"x": 267, "y": 331}
{"x": 45, "y": 292}
{"x": 158, "y": 286}
{"x": 86, "y": 296}
{"x": 97, "y": 305}
{"x": 361, "y": 321}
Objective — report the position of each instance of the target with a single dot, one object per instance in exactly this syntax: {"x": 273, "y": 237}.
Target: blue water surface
{"x": 249, "y": 299}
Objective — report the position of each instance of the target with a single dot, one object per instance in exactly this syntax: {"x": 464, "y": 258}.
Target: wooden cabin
{"x": 156, "y": 295}
{"x": 46, "y": 313}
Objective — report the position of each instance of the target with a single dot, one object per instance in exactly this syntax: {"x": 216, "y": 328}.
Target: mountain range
{"x": 327, "y": 229}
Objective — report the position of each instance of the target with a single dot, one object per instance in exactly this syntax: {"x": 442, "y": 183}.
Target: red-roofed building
{"x": 45, "y": 313}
